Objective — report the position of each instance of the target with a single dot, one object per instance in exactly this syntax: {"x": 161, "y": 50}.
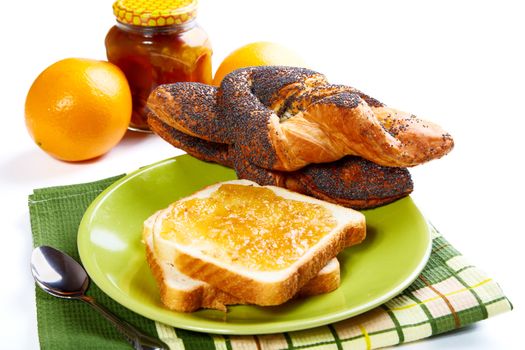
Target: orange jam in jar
{"x": 154, "y": 43}
{"x": 248, "y": 226}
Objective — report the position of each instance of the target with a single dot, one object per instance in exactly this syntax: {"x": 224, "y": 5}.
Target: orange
{"x": 78, "y": 109}
{"x": 259, "y": 53}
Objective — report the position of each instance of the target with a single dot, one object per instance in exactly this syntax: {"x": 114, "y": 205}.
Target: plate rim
{"x": 275, "y": 326}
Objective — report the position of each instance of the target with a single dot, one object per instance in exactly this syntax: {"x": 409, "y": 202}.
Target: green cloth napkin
{"x": 450, "y": 293}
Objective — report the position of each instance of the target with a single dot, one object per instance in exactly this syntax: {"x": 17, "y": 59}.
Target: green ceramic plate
{"x": 395, "y": 251}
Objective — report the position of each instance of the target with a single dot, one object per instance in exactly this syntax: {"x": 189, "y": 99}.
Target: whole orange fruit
{"x": 78, "y": 109}
{"x": 259, "y": 53}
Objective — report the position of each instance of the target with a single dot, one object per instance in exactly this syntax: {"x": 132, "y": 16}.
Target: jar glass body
{"x": 151, "y": 56}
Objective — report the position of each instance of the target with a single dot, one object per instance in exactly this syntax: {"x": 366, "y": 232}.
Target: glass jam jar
{"x": 157, "y": 42}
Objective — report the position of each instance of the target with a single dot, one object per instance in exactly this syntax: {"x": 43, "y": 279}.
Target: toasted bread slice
{"x": 281, "y": 265}
{"x": 182, "y": 293}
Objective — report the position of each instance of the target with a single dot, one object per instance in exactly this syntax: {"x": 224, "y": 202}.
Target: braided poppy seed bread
{"x": 284, "y": 118}
{"x": 289, "y": 127}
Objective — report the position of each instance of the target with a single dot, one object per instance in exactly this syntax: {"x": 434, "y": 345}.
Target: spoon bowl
{"x": 58, "y": 274}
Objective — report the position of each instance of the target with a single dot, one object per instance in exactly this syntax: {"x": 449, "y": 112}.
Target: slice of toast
{"x": 274, "y": 268}
{"x": 182, "y": 293}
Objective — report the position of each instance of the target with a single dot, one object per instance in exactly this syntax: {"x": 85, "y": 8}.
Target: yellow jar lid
{"x": 154, "y": 13}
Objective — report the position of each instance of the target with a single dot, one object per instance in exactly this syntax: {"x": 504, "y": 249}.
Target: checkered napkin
{"x": 450, "y": 293}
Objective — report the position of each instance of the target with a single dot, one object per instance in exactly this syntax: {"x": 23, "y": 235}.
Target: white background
{"x": 457, "y": 63}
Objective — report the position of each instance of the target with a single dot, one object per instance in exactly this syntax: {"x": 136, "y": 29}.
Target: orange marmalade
{"x": 248, "y": 226}
{"x": 154, "y": 43}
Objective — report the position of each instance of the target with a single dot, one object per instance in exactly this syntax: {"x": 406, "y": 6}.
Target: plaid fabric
{"x": 450, "y": 293}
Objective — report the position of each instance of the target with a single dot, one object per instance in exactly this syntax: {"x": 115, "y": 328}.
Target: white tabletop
{"x": 460, "y": 64}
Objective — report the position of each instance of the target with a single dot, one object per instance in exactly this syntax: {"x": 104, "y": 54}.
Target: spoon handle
{"x": 136, "y": 338}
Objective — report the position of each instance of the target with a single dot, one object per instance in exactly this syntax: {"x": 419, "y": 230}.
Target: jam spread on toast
{"x": 248, "y": 226}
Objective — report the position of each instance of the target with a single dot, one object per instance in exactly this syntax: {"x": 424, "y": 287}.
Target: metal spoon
{"x": 61, "y": 276}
